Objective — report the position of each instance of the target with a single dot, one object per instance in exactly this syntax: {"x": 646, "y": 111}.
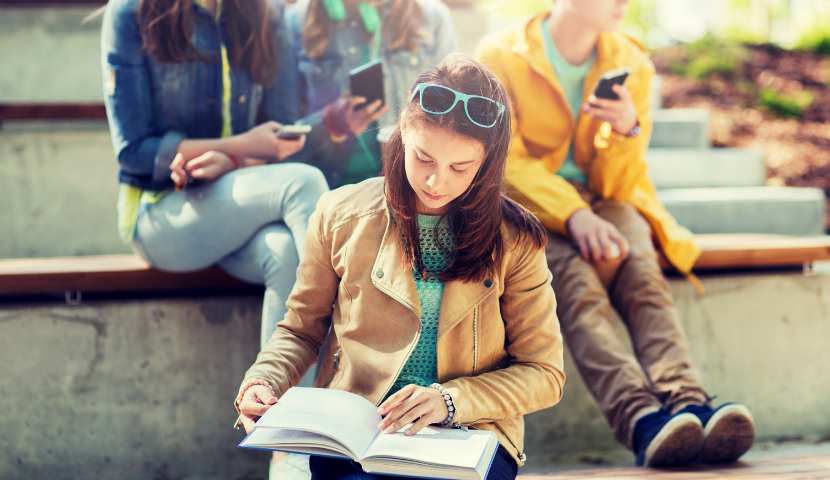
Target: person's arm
{"x": 140, "y": 149}
{"x": 444, "y": 34}
{"x": 620, "y": 162}
{"x": 295, "y": 345}
{"x": 548, "y": 196}
{"x": 534, "y": 377}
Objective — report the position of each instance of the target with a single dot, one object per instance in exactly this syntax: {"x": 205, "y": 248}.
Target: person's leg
{"x": 270, "y": 257}
{"x": 326, "y": 468}
{"x": 197, "y": 227}
{"x": 588, "y": 323}
{"x": 641, "y": 295}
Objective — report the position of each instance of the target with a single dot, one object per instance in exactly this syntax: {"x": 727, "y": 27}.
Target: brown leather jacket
{"x": 499, "y": 345}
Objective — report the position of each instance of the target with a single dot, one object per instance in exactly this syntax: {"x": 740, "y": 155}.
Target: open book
{"x": 334, "y": 423}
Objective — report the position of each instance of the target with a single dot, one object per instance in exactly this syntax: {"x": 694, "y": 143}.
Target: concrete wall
{"x": 58, "y": 192}
{"x": 143, "y": 388}
{"x": 126, "y": 390}
{"x": 48, "y": 54}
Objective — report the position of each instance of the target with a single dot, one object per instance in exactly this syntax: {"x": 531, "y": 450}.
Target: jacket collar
{"x": 530, "y": 46}
{"x": 391, "y": 277}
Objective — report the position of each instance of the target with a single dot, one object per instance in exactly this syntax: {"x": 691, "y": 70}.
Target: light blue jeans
{"x": 252, "y": 222}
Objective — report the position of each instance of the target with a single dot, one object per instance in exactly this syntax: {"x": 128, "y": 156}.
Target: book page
{"x": 345, "y": 417}
{"x": 295, "y": 441}
{"x": 438, "y": 446}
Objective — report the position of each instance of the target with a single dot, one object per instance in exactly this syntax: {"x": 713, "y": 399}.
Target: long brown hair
{"x": 401, "y": 26}
{"x": 476, "y": 215}
{"x": 167, "y": 26}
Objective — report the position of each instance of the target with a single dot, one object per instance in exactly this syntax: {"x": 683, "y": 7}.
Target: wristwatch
{"x": 634, "y": 131}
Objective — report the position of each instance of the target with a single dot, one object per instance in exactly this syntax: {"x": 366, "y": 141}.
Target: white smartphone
{"x": 293, "y": 132}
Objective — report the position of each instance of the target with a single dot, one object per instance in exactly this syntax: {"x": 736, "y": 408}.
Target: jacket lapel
{"x": 459, "y": 299}
{"x": 388, "y": 273}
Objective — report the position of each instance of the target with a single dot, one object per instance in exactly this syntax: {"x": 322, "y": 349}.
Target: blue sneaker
{"x": 665, "y": 440}
{"x": 728, "y": 431}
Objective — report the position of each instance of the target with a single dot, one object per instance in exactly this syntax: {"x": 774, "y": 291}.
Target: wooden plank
{"x": 796, "y": 467}
{"x": 52, "y": 111}
{"x": 722, "y": 251}
{"x": 106, "y": 273}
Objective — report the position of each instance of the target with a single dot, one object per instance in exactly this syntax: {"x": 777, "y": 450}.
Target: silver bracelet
{"x": 448, "y": 401}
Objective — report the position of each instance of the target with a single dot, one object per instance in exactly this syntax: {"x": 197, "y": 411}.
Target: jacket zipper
{"x": 411, "y": 348}
{"x": 335, "y": 367}
{"x": 475, "y": 339}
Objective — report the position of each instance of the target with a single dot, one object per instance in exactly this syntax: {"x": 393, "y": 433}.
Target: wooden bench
{"x": 786, "y": 468}
{"x": 128, "y": 273}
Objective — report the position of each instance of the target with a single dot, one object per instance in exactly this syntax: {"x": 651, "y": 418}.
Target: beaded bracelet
{"x": 448, "y": 401}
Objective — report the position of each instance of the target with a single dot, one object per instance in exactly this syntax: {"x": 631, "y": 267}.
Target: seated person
{"x": 578, "y": 163}
{"x": 195, "y": 92}
{"x": 332, "y": 37}
{"x": 447, "y": 288}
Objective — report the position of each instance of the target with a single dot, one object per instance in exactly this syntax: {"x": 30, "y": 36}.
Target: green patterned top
{"x": 436, "y": 253}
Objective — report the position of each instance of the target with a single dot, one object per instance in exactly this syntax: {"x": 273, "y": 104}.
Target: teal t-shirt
{"x": 436, "y": 253}
{"x": 572, "y": 78}
{"x": 364, "y": 157}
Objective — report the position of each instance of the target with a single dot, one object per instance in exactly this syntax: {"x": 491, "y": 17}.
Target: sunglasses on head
{"x": 438, "y": 100}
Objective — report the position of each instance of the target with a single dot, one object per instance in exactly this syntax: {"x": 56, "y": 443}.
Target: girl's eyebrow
{"x": 424, "y": 153}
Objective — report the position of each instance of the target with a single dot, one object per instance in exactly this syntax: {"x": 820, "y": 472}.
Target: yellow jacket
{"x": 543, "y": 126}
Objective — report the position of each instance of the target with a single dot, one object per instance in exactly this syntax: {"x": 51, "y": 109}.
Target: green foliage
{"x": 710, "y": 56}
{"x": 785, "y": 104}
{"x": 817, "y": 38}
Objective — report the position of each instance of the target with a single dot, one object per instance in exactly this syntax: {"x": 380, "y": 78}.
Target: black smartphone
{"x": 367, "y": 81}
{"x": 609, "y": 79}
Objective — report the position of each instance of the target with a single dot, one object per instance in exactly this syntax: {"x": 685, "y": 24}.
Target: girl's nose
{"x": 432, "y": 181}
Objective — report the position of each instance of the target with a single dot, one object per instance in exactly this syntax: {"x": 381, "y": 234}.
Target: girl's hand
{"x": 597, "y": 238}
{"x": 345, "y": 119}
{"x": 621, "y": 113}
{"x": 178, "y": 173}
{"x": 410, "y": 404}
{"x": 256, "y": 401}
{"x": 262, "y": 142}
{"x": 210, "y": 166}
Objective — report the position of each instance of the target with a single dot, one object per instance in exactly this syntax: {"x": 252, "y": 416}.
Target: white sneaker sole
{"x": 728, "y": 434}
{"x": 677, "y": 443}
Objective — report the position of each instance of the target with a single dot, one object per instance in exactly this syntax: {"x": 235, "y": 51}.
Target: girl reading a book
{"x": 426, "y": 289}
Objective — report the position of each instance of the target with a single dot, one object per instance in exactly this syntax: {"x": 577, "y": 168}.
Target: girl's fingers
{"x": 605, "y": 245}
{"x": 396, "y": 414}
{"x": 621, "y": 242}
{"x": 395, "y": 399}
{"x": 593, "y": 246}
{"x": 419, "y": 425}
{"x": 378, "y": 113}
{"x": 583, "y": 248}
{"x": 623, "y": 92}
{"x": 356, "y": 100}
{"x": 200, "y": 162}
{"x": 248, "y": 423}
{"x": 417, "y": 412}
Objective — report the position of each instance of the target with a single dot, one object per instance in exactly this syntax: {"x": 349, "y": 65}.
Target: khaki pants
{"x": 626, "y": 387}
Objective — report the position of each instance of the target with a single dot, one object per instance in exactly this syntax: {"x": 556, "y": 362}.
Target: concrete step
{"x": 778, "y": 210}
{"x": 681, "y": 128}
{"x": 713, "y": 167}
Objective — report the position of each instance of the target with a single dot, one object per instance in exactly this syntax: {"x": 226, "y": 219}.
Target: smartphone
{"x": 293, "y": 132}
{"x": 609, "y": 79}
{"x": 367, "y": 81}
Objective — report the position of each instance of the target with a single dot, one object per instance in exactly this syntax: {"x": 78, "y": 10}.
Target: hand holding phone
{"x": 611, "y": 102}
{"x": 367, "y": 81}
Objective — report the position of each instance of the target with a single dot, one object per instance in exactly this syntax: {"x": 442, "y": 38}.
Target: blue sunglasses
{"x": 438, "y": 100}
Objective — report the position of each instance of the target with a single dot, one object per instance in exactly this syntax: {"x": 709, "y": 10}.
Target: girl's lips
{"x": 433, "y": 197}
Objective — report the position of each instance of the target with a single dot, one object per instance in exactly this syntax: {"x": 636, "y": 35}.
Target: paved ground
{"x": 789, "y": 459}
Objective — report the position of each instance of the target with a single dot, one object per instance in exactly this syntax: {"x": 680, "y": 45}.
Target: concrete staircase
{"x": 721, "y": 190}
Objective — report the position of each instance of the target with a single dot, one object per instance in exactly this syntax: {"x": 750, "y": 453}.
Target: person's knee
{"x": 310, "y": 180}
{"x": 277, "y": 255}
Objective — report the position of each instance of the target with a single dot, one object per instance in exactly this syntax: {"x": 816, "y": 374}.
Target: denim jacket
{"x": 322, "y": 80}
{"x": 152, "y": 106}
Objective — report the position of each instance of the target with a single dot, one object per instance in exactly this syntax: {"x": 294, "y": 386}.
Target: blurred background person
{"x": 195, "y": 92}
{"x": 578, "y": 163}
